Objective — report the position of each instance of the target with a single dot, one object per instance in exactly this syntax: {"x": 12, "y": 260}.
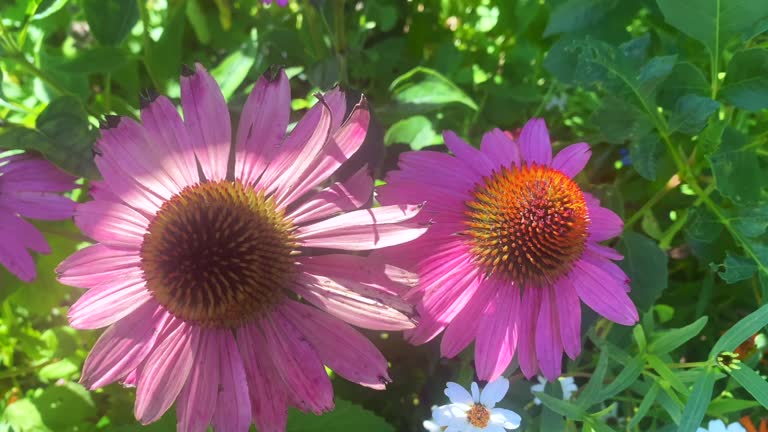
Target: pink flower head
{"x": 514, "y": 247}
{"x": 281, "y": 3}
{"x": 30, "y": 187}
{"x": 207, "y": 239}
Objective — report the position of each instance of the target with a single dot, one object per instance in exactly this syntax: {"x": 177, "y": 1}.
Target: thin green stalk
{"x": 648, "y": 205}
{"x": 341, "y": 40}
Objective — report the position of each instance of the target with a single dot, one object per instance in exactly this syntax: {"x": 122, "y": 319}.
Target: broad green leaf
{"x": 422, "y": 89}
{"x": 415, "y": 131}
{"x": 551, "y": 420}
{"x": 644, "y": 152}
{"x": 577, "y": 14}
{"x": 752, "y": 382}
{"x": 746, "y": 83}
{"x": 618, "y": 121}
{"x": 745, "y": 328}
{"x": 53, "y": 7}
{"x": 111, "y": 20}
{"x": 23, "y": 415}
{"x": 672, "y": 339}
{"x": 233, "y": 70}
{"x": 751, "y": 221}
{"x": 64, "y": 405}
{"x": 626, "y": 378}
{"x": 345, "y": 417}
{"x": 685, "y": 78}
{"x": 702, "y": 225}
{"x": 645, "y": 405}
{"x": 737, "y": 268}
{"x": 198, "y": 21}
{"x": 737, "y": 171}
{"x": 713, "y": 22}
{"x": 691, "y": 113}
{"x": 96, "y": 60}
{"x": 712, "y": 136}
{"x": 570, "y": 410}
{"x": 646, "y": 266}
{"x": 697, "y": 404}
{"x": 163, "y": 58}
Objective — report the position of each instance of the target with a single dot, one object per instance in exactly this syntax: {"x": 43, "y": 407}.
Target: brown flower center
{"x": 218, "y": 254}
{"x": 479, "y": 416}
{"x": 528, "y": 224}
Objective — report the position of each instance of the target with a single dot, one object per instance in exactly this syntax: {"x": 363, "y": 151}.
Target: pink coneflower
{"x": 203, "y": 251}
{"x": 30, "y": 187}
{"x": 514, "y": 246}
{"x": 281, "y": 3}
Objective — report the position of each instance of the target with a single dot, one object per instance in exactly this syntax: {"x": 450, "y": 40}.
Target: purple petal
{"x": 233, "y": 407}
{"x": 535, "y": 146}
{"x": 603, "y": 293}
{"x": 549, "y": 347}
{"x": 572, "y": 159}
{"x": 497, "y": 334}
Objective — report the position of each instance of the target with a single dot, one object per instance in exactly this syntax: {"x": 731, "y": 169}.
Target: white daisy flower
{"x": 719, "y": 426}
{"x": 566, "y": 383}
{"x": 430, "y": 425}
{"x": 475, "y": 412}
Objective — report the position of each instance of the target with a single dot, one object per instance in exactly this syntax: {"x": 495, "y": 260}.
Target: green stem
{"x": 147, "y": 42}
{"x": 108, "y": 92}
{"x": 13, "y": 373}
{"x": 341, "y": 40}
{"x": 648, "y": 205}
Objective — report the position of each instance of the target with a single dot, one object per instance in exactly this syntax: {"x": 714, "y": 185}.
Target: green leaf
{"x": 713, "y": 22}
{"x": 589, "y": 395}
{"x": 645, "y": 406}
{"x": 23, "y": 415}
{"x": 737, "y": 172}
{"x": 752, "y": 382}
{"x": 53, "y": 7}
{"x": 746, "y": 83}
{"x": 740, "y": 331}
{"x": 691, "y": 113}
{"x": 626, "y": 378}
{"x": 574, "y": 15}
{"x": 721, "y": 407}
{"x": 570, "y": 410}
{"x": 111, "y": 20}
{"x": 551, "y": 420}
{"x": 697, "y": 404}
{"x": 646, "y": 265}
{"x": 422, "y": 89}
{"x": 666, "y": 374}
{"x": 163, "y": 58}
{"x": 96, "y": 60}
{"x": 346, "y": 417}
{"x": 233, "y": 70}
{"x": 685, "y": 78}
{"x": 737, "y": 268}
{"x": 712, "y": 136}
{"x": 671, "y": 339}
{"x": 703, "y": 226}
{"x": 198, "y": 21}
{"x": 65, "y": 405}
{"x": 63, "y": 135}
{"x": 751, "y": 221}
{"x": 619, "y": 121}
{"x": 415, "y": 131}
{"x": 645, "y": 153}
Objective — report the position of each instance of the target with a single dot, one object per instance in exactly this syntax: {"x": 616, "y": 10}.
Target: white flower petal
{"x": 458, "y": 394}
{"x": 494, "y": 392}
{"x": 450, "y": 415}
{"x": 569, "y": 387}
{"x": 506, "y": 418}
{"x": 736, "y": 427}
{"x": 431, "y": 426}
{"x": 493, "y": 428}
{"x": 716, "y": 426}
{"x": 459, "y": 428}
{"x": 475, "y": 392}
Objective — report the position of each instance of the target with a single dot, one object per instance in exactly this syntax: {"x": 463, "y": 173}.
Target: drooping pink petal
{"x": 233, "y": 407}
{"x": 112, "y": 223}
{"x": 527, "y": 318}
{"x": 604, "y": 251}
{"x": 568, "y": 309}
{"x": 535, "y": 146}
{"x": 497, "y": 332}
{"x": 118, "y": 186}
{"x": 572, "y": 159}
{"x": 364, "y": 229}
{"x": 549, "y": 347}
{"x": 298, "y": 365}
{"x": 463, "y": 328}
{"x": 123, "y": 346}
{"x": 89, "y": 267}
{"x": 206, "y": 118}
{"x": 262, "y": 125}
{"x": 269, "y": 400}
{"x": 609, "y": 267}
{"x": 197, "y": 399}
{"x": 336, "y": 199}
{"x": 39, "y": 205}
{"x": 294, "y": 160}
{"x": 604, "y": 224}
{"x": 165, "y": 373}
{"x": 445, "y": 171}
{"x": 500, "y": 149}
{"x": 27, "y": 173}
{"x": 17, "y": 236}
{"x": 342, "y": 144}
{"x": 111, "y": 301}
{"x": 353, "y": 271}
{"x": 171, "y": 144}
{"x": 360, "y": 305}
{"x": 445, "y": 296}
{"x": 603, "y": 293}
{"x": 343, "y": 349}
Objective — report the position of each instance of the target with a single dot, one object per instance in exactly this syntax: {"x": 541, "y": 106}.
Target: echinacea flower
{"x": 477, "y": 411}
{"x": 30, "y": 188}
{"x": 205, "y": 243}
{"x": 719, "y": 426}
{"x": 567, "y": 385}
{"x": 514, "y": 249}
{"x": 281, "y": 3}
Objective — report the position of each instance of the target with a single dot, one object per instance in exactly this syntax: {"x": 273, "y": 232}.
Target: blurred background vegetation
{"x": 671, "y": 94}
